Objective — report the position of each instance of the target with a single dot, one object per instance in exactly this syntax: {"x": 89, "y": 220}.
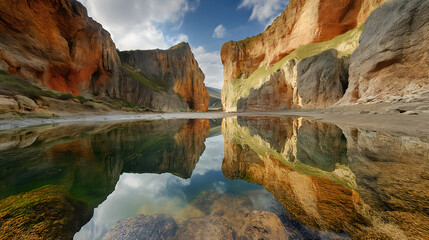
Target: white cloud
{"x": 264, "y": 11}
{"x": 137, "y": 24}
{"x": 178, "y": 39}
{"x": 219, "y": 32}
{"x": 211, "y": 65}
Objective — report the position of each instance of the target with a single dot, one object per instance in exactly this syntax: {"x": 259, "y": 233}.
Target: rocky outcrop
{"x": 322, "y": 79}
{"x": 392, "y": 58}
{"x": 143, "y": 227}
{"x": 54, "y": 43}
{"x": 302, "y": 22}
{"x": 46, "y": 213}
{"x": 175, "y": 69}
{"x": 257, "y": 70}
{"x": 318, "y": 81}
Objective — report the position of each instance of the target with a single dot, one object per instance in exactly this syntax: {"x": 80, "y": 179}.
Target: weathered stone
{"x": 315, "y": 82}
{"x": 205, "y": 228}
{"x": 26, "y": 103}
{"x": 262, "y": 225}
{"x": 302, "y": 22}
{"x": 46, "y": 213}
{"x": 8, "y": 104}
{"x": 143, "y": 227}
{"x": 278, "y": 93}
{"x": 55, "y": 43}
{"x": 322, "y": 79}
{"x": 393, "y": 56}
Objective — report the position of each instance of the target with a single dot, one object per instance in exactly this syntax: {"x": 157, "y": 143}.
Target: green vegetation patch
{"x": 240, "y": 87}
{"x": 155, "y": 85}
{"x": 21, "y": 86}
{"x": 177, "y": 46}
{"x": 46, "y": 213}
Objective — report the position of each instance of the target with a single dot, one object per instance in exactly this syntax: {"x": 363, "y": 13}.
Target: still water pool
{"x": 233, "y": 178}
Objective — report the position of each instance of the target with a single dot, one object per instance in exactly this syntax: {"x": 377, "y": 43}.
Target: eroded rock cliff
{"x": 175, "y": 68}
{"x": 54, "y": 43}
{"x": 392, "y": 59}
{"x": 304, "y": 29}
{"x": 302, "y": 22}
{"x": 389, "y": 65}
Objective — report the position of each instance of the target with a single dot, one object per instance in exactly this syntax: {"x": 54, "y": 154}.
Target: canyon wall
{"x": 262, "y": 72}
{"x": 302, "y": 22}
{"x": 392, "y": 60}
{"x": 54, "y": 43}
{"x": 175, "y": 68}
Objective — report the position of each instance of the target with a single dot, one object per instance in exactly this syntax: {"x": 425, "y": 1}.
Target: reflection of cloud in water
{"x": 220, "y": 187}
{"x": 154, "y": 194}
{"x": 212, "y": 157}
{"x": 138, "y": 193}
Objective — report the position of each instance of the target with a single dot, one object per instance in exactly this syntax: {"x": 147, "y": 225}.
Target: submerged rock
{"x": 46, "y": 213}
{"x": 150, "y": 227}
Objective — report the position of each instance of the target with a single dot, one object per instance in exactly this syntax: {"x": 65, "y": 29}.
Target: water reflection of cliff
{"x": 367, "y": 184}
{"x": 88, "y": 159}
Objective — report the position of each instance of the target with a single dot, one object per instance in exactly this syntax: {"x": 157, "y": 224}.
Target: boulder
{"x": 393, "y": 56}
{"x": 322, "y": 79}
{"x": 143, "y": 227}
{"x": 8, "y": 104}
{"x": 26, "y": 103}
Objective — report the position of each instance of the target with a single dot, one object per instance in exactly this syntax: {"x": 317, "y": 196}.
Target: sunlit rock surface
{"x": 392, "y": 58}
{"x": 304, "y": 29}
{"x": 55, "y": 44}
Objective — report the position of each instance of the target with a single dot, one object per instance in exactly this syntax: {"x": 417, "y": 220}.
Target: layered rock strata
{"x": 315, "y": 82}
{"x": 55, "y": 43}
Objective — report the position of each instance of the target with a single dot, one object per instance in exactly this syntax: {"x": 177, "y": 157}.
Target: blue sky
{"x": 205, "y": 24}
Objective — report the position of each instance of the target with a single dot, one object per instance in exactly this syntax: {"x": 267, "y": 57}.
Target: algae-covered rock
{"x": 45, "y": 213}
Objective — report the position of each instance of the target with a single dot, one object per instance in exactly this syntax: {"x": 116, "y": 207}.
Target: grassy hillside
{"x": 215, "y": 98}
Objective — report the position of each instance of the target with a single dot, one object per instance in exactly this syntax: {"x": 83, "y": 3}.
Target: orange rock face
{"x": 55, "y": 43}
{"x": 302, "y": 22}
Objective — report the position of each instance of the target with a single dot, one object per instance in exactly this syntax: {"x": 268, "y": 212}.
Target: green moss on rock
{"x": 49, "y": 212}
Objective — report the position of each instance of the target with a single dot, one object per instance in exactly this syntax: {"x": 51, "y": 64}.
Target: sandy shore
{"x": 411, "y": 119}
